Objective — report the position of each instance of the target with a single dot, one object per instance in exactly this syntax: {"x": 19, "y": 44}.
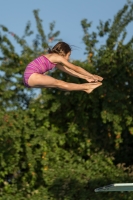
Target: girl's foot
{"x": 92, "y": 86}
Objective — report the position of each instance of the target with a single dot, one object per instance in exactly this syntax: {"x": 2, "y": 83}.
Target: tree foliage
{"x": 63, "y": 145}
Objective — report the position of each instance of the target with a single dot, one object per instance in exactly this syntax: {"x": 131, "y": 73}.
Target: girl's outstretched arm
{"x": 73, "y": 73}
{"x": 78, "y": 69}
{"x": 55, "y": 58}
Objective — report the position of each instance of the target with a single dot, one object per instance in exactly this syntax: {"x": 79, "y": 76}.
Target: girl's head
{"x": 61, "y": 48}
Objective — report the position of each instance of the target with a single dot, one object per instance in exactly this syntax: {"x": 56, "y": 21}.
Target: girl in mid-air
{"x": 58, "y": 56}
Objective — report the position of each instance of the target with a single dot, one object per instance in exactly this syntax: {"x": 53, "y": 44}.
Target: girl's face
{"x": 67, "y": 56}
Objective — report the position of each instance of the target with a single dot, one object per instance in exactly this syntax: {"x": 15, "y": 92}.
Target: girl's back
{"x": 39, "y": 65}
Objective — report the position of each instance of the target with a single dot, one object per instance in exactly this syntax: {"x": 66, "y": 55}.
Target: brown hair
{"x": 60, "y": 48}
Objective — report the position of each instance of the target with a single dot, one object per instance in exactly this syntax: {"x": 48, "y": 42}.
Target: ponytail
{"x": 60, "y": 48}
{"x": 50, "y": 50}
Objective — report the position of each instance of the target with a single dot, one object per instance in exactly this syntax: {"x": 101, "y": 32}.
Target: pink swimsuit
{"x": 40, "y": 65}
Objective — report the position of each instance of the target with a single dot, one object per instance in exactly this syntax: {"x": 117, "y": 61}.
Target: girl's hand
{"x": 98, "y": 78}
{"x": 90, "y": 79}
{"x": 93, "y": 78}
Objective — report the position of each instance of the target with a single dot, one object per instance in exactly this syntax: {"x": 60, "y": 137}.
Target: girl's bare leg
{"x": 39, "y": 80}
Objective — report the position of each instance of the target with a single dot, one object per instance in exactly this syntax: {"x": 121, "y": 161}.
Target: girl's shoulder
{"x": 53, "y": 57}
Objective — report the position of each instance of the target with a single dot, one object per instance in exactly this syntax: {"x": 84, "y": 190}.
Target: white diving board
{"x": 120, "y": 187}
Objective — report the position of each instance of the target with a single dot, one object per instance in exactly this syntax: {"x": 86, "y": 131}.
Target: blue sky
{"x": 67, "y": 15}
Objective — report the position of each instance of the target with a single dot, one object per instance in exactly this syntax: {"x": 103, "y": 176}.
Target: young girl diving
{"x": 58, "y": 56}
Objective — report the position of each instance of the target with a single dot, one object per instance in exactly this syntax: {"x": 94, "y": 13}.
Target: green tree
{"x": 115, "y": 63}
{"x": 62, "y": 145}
